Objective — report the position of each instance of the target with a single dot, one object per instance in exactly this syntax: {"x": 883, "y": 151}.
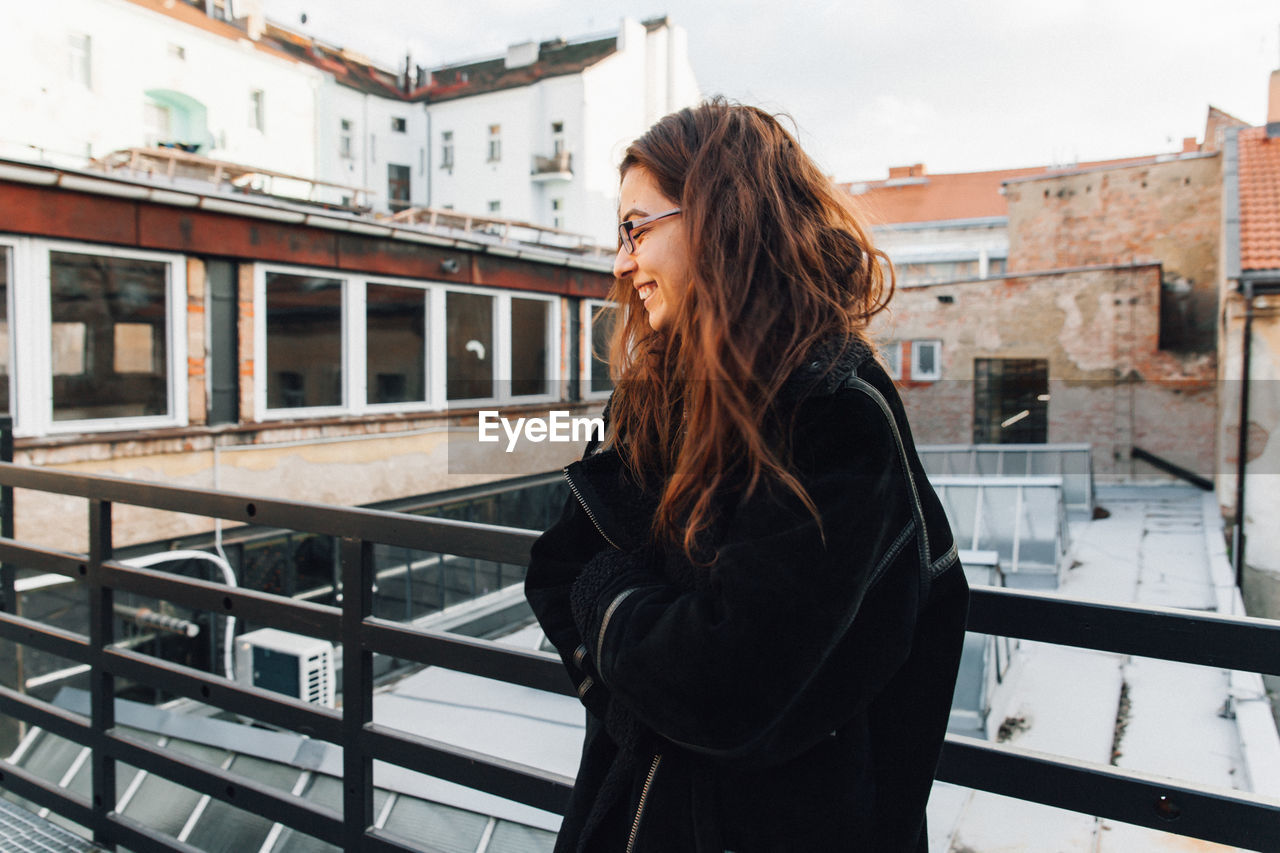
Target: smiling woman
{"x": 752, "y": 585}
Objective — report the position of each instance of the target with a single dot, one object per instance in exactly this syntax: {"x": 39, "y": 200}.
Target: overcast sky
{"x": 959, "y": 85}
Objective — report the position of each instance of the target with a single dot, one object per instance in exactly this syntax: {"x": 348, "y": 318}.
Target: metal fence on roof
{"x": 1072, "y": 462}
{"x": 1022, "y": 519}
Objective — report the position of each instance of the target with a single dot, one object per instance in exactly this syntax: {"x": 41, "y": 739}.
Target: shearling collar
{"x": 829, "y": 363}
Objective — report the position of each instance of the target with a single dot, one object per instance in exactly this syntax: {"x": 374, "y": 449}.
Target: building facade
{"x": 532, "y": 136}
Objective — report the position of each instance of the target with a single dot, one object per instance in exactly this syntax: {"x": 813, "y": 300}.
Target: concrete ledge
{"x": 1259, "y": 739}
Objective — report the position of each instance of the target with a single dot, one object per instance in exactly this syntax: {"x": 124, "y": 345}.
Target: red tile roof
{"x": 1259, "y": 166}
{"x": 911, "y": 195}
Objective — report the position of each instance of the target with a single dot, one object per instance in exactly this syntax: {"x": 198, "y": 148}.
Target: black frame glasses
{"x": 627, "y": 229}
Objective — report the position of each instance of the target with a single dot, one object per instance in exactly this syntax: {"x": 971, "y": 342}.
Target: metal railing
{"x": 1226, "y": 817}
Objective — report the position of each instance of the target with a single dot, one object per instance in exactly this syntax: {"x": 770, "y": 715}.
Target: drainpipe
{"x": 1242, "y": 446}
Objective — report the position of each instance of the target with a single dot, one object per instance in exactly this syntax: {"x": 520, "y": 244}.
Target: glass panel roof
{"x": 445, "y": 828}
{"x": 223, "y": 828}
{"x": 516, "y": 838}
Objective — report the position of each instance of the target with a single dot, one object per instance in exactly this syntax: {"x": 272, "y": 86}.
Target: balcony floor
{"x": 1153, "y": 550}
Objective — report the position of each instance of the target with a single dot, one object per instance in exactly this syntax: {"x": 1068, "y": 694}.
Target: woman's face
{"x": 659, "y": 268}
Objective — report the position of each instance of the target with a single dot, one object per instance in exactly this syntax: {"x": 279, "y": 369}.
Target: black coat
{"x": 792, "y": 697}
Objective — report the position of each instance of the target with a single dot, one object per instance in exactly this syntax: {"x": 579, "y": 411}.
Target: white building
{"x": 536, "y": 135}
{"x": 533, "y": 136}
{"x": 87, "y": 77}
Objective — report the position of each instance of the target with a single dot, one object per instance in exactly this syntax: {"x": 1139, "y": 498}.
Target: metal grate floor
{"x": 23, "y": 832}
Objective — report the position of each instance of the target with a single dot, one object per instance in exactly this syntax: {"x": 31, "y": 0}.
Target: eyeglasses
{"x": 626, "y": 230}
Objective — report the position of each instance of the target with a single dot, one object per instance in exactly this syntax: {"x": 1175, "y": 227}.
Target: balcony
{"x": 348, "y": 741}
{"x": 557, "y": 167}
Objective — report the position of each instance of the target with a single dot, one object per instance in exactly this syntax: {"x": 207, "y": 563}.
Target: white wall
{"x": 132, "y": 51}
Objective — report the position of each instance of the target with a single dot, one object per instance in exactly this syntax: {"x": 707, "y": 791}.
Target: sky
{"x": 959, "y": 85}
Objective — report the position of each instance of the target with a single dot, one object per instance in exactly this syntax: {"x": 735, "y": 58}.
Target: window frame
{"x": 494, "y": 147}
{"x": 446, "y": 149}
{"x": 9, "y": 266}
{"x": 917, "y": 374}
{"x": 585, "y": 358}
{"x": 354, "y": 359}
{"x": 892, "y": 352}
{"x": 31, "y": 333}
{"x": 258, "y": 110}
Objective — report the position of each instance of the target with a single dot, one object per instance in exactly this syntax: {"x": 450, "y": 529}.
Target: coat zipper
{"x": 582, "y": 501}
{"x": 644, "y": 795}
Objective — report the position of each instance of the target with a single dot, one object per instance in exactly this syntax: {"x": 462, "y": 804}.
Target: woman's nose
{"x": 624, "y": 263}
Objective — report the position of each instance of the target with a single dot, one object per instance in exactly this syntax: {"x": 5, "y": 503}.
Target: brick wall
{"x": 1109, "y": 384}
{"x": 1168, "y": 212}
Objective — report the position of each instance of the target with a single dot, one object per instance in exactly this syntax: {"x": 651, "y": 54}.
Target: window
{"x": 598, "y": 328}
{"x": 495, "y": 207}
{"x": 926, "y": 364}
{"x": 446, "y": 149}
{"x": 303, "y": 341}
{"x": 97, "y": 339}
{"x": 346, "y": 148}
{"x": 1010, "y": 400}
{"x": 80, "y": 59}
{"x": 396, "y": 344}
{"x": 996, "y": 267}
{"x": 109, "y": 335}
{"x": 177, "y": 52}
{"x": 397, "y": 187}
{"x": 530, "y": 322}
{"x": 495, "y": 143}
{"x": 557, "y": 138}
{"x": 892, "y": 353}
{"x": 5, "y": 370}
{"x": 347, "y": 344}
{"x": 398, "y": 124}
{"x": 557, "y": 213}
{"x": 257, "y": 110}
{"x": 468, "y": 346}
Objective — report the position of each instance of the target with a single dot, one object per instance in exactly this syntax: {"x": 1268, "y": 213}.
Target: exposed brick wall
{"x": 1109, "y": 384}
{"x": 1167, "y": 212}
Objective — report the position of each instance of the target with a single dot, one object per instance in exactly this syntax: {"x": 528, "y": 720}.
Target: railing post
{"x": 101, "y": 682}
{"x": 357, "y": 691}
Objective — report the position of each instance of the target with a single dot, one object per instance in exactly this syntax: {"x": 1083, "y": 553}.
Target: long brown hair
{"x": 779, "y": 264}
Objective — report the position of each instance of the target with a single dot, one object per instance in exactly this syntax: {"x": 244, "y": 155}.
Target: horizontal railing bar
{"x": 46, "y": 638}
{"x": 63, "y": 723}
{"x": 381, "y": 841}
{"x": 141, "y": 838}
{"x": 230, "y": 787}
{"x": 1188, "y": 636}
{"x": 45, "y": 794}
{"x": 526, "y": 667}
{"x": 440, "y": 535}
{"x": 25, "y": 556}
{"x": 532, "y": 786}
{"x": 1220, "y": 816}
{"x": 256, "y": 703}
{"x": 303, "y": 617}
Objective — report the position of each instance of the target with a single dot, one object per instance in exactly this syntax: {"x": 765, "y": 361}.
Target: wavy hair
{"x": 780, "y": 264}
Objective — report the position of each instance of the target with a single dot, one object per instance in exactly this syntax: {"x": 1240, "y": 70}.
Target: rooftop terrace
{"x": 1062, "y": 764}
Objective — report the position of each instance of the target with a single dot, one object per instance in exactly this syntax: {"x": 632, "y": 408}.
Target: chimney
{"x": 1189, "y": 145}
{"x": 520, "y": 55}
{"x": 898, "y": 173}
{"x": 1273, "y": 106}
{"x": 255, "y": 18}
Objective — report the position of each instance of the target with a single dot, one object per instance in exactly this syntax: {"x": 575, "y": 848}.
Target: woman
{"x": 752, "y": 586}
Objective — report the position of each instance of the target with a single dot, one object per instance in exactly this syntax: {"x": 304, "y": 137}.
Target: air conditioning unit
{"x": 292, "y": 664}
